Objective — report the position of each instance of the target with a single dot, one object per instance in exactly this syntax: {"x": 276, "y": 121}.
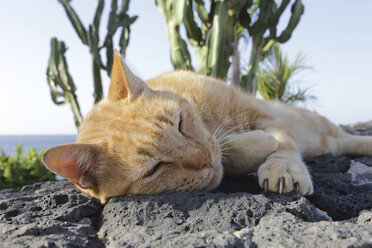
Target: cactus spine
{"x": 215, "y": 37}
{"x": 62, "y": 87}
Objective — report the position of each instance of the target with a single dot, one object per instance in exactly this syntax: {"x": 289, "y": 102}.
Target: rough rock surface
{"x": 359, "y": 128}
{"x": 237, "y": 214}
{"x": 159, "y": 219}
{"x": 51, "y": 214}
{"x": 285, "y": 230}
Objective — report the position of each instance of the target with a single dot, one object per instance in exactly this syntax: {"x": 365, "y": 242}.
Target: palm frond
{"x": 276, "y": 77}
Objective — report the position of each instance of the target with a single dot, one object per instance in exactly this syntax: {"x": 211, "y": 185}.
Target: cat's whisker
{"x": 235, "y": 115}
{"x": 229, "y": 141}
{"x": 220, "y": 135}
{"x": 229, "y": 131}
{"x": 227, "y": 120}
{"x": 231, "y": 147}
{"x": 226, "y": 136}
{"x": 224, "y": 122}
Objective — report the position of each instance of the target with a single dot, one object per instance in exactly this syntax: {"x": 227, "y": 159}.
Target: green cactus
{"x": 62, "y": 86}
{"x": 174, "y": 12}
{"x": 214, "y": 33}
{"x": 268, "y": 19}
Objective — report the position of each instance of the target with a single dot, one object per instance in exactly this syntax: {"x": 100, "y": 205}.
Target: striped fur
{"x": 176, "y": 131}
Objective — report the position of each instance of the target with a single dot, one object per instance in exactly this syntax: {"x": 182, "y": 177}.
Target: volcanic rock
{"x": 237, "y": 214}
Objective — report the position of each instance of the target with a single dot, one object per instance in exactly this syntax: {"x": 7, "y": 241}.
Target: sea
{"x": 9, "y": 142}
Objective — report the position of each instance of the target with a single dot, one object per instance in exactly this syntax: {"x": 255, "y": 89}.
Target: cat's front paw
{"x": 281, "y": 174}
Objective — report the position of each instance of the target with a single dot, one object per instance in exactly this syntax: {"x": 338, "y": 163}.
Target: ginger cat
{"x": 183, "y": 131}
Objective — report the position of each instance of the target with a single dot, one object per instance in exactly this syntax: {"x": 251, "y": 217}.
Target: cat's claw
{"x": 297, "y": 186}
{"x": 265, "y": 184}
{"x": 285, "y": 174}
{"x": 281, "y": 182}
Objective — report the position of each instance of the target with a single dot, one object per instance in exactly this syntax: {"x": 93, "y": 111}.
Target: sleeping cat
{"x": 183, "y": 131}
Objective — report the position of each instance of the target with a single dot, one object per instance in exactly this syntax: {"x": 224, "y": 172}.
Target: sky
{"x": 335, "y": 36}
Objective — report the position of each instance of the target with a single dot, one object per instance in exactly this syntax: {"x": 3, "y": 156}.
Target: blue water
{"x": 8, "y": 142}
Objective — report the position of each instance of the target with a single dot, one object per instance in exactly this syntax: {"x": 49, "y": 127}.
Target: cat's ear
{"x": 124, "y": 84}
{"x": 73, "y": 162}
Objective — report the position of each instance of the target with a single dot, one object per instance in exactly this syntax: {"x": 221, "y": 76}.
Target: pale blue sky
{"x": 335, "y": 35}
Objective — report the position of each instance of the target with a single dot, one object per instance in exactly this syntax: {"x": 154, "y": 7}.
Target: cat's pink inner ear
{"x": 64, "y": 160}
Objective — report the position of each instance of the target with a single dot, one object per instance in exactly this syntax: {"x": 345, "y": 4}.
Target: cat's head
{"x": 138, "y": 141}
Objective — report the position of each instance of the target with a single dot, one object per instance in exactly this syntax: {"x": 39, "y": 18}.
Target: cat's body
{"x": 239, "y": 112}
{"x": 182, "y": 130}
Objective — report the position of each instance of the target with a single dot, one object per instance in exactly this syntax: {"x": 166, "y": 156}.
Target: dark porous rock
{"x": 364, "y": 160}
{"x": 334, "y": 190}
{"x": 285, "y": 230}
{"x": 365, "y": 217}
{"x": 237, "y": 214}
{"x": 51, "y": 214}
{"x": 360, "y": 128}
{"x": 210, "y": 238}
{"x": 145, "y": 220}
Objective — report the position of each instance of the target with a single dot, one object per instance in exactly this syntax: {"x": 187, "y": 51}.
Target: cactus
{"x": 174, "y": 12}
{"x": 268, "y": 19}
{"x": 64, "y": 87}
{"x": 214, "y": 34}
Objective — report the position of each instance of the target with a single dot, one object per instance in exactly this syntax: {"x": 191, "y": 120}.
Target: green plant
{"x": 62, "y": 87}
{"x": 215, "y": 34}
{"x": 22, "y": 169}
{"x": 276, "y": 78}
{"x": 61, "y": 84}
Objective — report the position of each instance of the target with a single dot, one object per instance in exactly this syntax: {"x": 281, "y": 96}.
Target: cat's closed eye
{"x": 180, "y": 125}
{"x": 153, "y": 170}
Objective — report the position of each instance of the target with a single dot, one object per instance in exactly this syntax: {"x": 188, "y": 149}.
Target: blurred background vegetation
{"x": 212, "y": 30}
{"x": 276, "y": 78}
{"x": 22, "y": 168}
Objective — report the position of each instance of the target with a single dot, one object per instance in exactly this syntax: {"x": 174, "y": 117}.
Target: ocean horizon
{"x": 8, "y": 142}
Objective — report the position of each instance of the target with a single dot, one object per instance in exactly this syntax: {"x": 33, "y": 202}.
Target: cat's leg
{"x": 244, "y": 152}
{"x": 284, "y": 170}
{"x": 352, "y": 145}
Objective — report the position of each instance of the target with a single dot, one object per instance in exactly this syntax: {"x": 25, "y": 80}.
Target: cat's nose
{"x": 198, "y": 158}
